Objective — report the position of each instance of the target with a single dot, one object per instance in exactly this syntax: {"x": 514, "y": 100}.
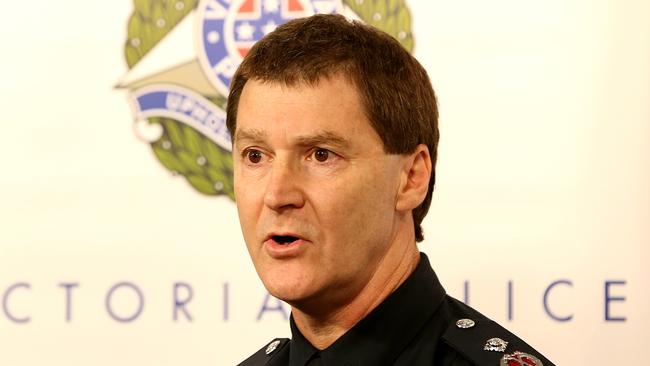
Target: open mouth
{"x": 284, "y": 239}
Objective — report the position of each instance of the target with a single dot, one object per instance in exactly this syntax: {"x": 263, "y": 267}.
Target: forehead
{"x": 330, "y": 106}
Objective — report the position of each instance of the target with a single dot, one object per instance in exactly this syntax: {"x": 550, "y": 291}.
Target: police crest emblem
{"x": 178, "y": 92}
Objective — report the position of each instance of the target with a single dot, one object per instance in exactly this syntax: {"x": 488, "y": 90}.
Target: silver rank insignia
{"x": 272, "y": 347}
{"x": 465, "y": 323}
{"x": 496, "y": 345}
{"x": 520, "y": 359}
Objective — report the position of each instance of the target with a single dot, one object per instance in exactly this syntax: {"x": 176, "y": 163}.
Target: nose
{"x": 283, "y": 189}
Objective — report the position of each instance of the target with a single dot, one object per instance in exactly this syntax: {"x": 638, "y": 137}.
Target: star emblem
{"x": 245, "y": 31}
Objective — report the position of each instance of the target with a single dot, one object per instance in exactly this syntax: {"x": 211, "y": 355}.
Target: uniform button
{"x": 272, "y": 347}
{"x": 496, "y": 345}
{"x": 465, "y": 323}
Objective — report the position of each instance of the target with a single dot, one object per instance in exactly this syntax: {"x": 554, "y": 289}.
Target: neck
{"x": 323, "y": 329}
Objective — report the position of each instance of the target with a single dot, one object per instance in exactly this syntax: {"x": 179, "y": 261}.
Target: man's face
{"x": 315, "y": 190}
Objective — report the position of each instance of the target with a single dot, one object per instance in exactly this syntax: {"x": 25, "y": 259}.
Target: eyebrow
{"x": 323, "y": 137}
{"x": 254, "y": 135}
{"x": 318, "y": 138}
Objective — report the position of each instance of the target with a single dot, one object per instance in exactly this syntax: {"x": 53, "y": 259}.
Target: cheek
{"x": 359, "y": 202}
{"x": 247, "y": 201}
{"x": 247, "y": 187}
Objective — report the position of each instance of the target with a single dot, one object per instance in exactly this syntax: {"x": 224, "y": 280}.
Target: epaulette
{"x": 267, "y": 353}
{"x": 485, "y": 343}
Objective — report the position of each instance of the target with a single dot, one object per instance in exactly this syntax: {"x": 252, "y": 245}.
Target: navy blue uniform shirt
{"x": 418, "y": 324}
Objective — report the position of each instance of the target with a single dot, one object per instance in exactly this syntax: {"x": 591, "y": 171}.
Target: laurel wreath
{"x": 150, "y": 22}
{"x": 183, "y": 150}
{"x": 391, "y": 16}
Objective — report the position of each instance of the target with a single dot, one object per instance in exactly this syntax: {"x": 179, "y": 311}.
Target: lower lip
{"x": 282, "y": 251}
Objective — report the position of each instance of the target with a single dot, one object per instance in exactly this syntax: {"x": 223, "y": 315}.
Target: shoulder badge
{"x": 486, "y": 343}
{"x": 266, "y": 353}
{"x": 520, "y": 359}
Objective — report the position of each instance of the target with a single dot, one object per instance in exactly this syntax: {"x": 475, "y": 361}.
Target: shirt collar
{"x": 380, "y": 337}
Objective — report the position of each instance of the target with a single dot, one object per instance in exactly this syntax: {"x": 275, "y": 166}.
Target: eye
{"x": 254, "y": 156}
{"x": 321, "y": 155}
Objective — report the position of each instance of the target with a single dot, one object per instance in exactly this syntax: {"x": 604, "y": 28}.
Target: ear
{"x": 414, "y": 183}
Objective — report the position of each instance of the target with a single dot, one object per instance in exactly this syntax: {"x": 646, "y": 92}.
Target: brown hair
{"x": 394, "y": 88}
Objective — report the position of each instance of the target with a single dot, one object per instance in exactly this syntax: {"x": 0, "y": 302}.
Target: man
{"x": 335, "y": 133}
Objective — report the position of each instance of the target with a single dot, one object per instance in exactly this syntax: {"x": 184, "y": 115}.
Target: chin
{"x": 288, "y": 287}
{"x": 286, "y": 293}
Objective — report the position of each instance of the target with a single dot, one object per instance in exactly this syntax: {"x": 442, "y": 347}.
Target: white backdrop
{"x": 543, "y": 176}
